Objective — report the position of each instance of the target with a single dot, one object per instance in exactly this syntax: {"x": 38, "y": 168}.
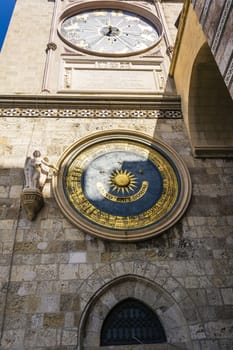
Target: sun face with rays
{"x": 122, "y": 181}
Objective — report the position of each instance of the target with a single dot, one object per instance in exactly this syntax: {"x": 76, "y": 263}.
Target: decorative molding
{"x": 229, "y": 74}
{"x": 221, "y": 25}
{"x": 182, "y": 22}
{"x": 51, "y": 46}
{"x": 205, "y": 11}
{"x": 194, "y": 3}
{"x": 96, "y": 76}
{"x": 212, "y": 151}
{"x": 73, "y": 106}
{"x": 32, "y": 202}
{"x": 138, "y": 113}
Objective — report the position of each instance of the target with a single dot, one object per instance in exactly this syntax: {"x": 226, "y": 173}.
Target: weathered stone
{"x": 78, "y": 257}
{"x": 26, "y": 247}
{"x": 69, "y": 272}
{"x": 214, "y": 297}
{"x": 227, "y": 295}
{"x": 13, "y": 339}
{"x": 219, "y": 329}
{"x": 69, "y": 337}
{"x": 50, "y": 303}
{"x": 46, "y": 337}
{"x": 52, "y": 320}
{"x": 37, "y": 321}
{"x": 70, "y": 302}
{"x": 197, "y": 331}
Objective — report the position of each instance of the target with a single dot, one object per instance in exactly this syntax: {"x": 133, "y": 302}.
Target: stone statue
{"x": 36, "y": 171}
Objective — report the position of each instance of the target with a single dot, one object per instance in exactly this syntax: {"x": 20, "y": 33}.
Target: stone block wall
{"x": 23, "y": 55}
{"x": 50, "y": 270}
{"x": 172, "y": 11}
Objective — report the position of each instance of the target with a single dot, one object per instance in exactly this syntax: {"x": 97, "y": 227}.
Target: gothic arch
{"x": 209, "y": 108}
{"x": 144, "y": 282}
{"x": 131, "y": 322}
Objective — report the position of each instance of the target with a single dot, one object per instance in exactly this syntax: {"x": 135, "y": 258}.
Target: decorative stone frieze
{"x": 91, "y": 113}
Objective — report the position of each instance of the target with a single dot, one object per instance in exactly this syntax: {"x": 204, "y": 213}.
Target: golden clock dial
{"x": 110, "y": 32}
{"x": 122, "y": 186}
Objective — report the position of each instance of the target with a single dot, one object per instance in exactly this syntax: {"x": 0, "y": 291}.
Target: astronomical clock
{"x": 122, "y": 186}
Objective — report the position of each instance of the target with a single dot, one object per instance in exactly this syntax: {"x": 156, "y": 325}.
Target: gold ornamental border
{"x": 115, "y": 232}
{"x": 77, "y": 198}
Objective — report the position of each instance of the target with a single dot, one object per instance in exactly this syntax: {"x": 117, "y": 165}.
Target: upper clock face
{"x": 121, "y": 186}
{"x": 110, "y": 32}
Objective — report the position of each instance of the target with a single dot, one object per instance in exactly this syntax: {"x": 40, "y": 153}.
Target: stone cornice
{"x": 57, "y": 106}
{"x": 72, "y": 101}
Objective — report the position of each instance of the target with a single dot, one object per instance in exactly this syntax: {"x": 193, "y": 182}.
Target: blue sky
{"x": 6, "y": 9}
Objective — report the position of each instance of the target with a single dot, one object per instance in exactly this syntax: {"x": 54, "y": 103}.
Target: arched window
{"x": 131, "y": 322}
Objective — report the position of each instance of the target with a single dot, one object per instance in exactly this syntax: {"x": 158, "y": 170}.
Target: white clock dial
{"x": 110, "y": 32}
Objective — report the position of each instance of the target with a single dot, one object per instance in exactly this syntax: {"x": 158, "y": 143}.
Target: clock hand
{"x": 131, "y": 31}
{"x": 131, "y": 34}
{"x": 109, "y": 30}
{"x": 124, "y": 43}
{"x": 97, "y": 41}
{"x": 88, "y": 30}
{"x": 99, "y": 22}
{"x": 108, "y": 20}
{"x": 119, "y": 23}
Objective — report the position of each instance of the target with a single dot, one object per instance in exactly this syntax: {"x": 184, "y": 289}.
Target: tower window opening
{"x": 131, "y": 322}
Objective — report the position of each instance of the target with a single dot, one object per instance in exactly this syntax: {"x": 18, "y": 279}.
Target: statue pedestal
{"x": 32, "y": 201}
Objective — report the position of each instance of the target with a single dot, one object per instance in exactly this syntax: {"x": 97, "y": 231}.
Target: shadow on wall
{"x": 210, "y": 108}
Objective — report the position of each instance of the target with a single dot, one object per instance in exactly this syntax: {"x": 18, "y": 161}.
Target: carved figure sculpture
{"x": 36, "y": 171}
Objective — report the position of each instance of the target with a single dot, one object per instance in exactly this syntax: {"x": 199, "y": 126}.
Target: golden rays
{"x": 122, "y": 181}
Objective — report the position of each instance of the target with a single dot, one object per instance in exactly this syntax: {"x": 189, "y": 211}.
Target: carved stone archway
{"x": 145, "y": 282}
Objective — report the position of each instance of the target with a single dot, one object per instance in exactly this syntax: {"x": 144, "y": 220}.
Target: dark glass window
{"x": 131, "y": 322}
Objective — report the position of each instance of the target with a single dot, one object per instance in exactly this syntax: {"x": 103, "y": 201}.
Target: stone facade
{"x": 58, "y": 283}
{"x": 50, "y": 270}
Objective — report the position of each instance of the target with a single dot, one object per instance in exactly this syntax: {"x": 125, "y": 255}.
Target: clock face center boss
{"x": 122, "y": 186}
{"x": 110, "y": 31}
{"x": 121, "y": 180}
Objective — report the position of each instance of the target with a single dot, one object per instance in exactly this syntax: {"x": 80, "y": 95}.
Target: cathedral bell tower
{"x": 113, "y": 235}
